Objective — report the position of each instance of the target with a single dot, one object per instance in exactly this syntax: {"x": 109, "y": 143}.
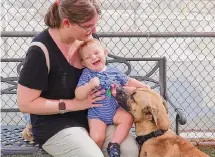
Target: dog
{"x": 152, "y": 125}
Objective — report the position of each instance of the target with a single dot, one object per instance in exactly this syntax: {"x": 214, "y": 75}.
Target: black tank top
{"x": 59, "y": 83}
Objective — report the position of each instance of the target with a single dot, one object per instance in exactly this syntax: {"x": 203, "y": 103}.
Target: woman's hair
{"x": 76, "y": 11}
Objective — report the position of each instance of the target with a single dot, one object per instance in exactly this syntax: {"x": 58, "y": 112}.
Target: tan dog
{"x": 151, "y": 119}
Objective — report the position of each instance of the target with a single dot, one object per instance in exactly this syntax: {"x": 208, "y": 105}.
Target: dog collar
{"x": 141, "y": 139}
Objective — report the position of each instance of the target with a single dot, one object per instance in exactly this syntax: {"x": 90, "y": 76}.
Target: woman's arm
{"x": 29, "y": 101}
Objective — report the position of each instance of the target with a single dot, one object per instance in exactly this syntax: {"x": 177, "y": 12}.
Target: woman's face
{"x": 83, "y": 31}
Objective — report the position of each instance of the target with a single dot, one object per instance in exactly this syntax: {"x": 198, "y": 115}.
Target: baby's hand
{"x": 94, "y": 83}
{"x": 113, "y": 89}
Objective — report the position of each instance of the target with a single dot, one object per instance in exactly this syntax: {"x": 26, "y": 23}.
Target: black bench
{"x": 150, "y": 70}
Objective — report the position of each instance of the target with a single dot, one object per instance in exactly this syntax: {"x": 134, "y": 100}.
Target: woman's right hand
{"x": 93, "y": 97}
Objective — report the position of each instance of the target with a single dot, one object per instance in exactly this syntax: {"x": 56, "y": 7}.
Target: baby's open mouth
{"x": 96, "y": 63}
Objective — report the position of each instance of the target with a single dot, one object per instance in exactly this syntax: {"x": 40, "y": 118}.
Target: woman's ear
{"x": 66, "y": 23}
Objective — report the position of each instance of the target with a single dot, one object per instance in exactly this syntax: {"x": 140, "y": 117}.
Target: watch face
{"x": 62, "y": 106}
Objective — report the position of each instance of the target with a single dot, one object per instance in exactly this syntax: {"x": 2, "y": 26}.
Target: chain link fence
{"x": 190, "y": 56}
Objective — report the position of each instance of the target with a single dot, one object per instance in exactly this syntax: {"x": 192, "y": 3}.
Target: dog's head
{"x": 145, "y": 105}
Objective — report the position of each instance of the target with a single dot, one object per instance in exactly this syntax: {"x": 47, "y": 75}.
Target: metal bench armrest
{"x": 180, "y": 116}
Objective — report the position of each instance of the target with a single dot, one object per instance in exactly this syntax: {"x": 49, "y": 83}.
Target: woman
{"x": 46, "y": 94}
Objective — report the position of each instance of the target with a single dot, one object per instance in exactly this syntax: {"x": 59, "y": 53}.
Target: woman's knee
{"x": 92, "y": 151}
{"x": 72, "y": 142}
{"x": 129, "y": 147}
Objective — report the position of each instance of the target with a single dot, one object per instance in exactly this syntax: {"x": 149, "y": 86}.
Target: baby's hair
{"x": 87, "y": 43}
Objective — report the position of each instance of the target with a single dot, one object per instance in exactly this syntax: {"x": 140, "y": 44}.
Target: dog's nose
{"x": 120, "y": 90}
{"x": 120, "y": 93}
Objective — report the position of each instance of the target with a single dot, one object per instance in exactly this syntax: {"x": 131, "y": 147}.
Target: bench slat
{"x": 12, "y": 142}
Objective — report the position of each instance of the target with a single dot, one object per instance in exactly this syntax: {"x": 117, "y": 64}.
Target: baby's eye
{"x": 87, "y": 58}
{"x": 96, "y": 52}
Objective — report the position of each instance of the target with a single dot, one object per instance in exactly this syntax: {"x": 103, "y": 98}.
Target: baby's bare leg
{"x": 123, "y": 120}
{"x": 97, "y": 131}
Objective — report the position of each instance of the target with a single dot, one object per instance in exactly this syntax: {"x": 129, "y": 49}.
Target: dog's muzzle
{"x": 122, "y": 97}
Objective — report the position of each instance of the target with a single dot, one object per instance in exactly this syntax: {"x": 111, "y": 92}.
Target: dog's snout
{"x": 122, "y": 97}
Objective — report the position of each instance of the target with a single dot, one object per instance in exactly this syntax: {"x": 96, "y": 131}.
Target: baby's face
{"x": 94, "y": 57}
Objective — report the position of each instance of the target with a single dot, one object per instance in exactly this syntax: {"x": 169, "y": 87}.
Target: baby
{"x": 97, "y": 75}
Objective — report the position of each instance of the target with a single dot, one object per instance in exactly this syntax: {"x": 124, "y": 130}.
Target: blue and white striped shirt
{"x": 107, "y": 78}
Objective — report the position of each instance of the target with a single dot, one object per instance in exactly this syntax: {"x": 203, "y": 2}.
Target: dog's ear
{"x": 162, "y": 118}
{"x": 159, "y": 116}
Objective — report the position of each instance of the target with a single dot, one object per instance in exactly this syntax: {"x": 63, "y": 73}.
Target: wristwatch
{"x": 62, "y": 106}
